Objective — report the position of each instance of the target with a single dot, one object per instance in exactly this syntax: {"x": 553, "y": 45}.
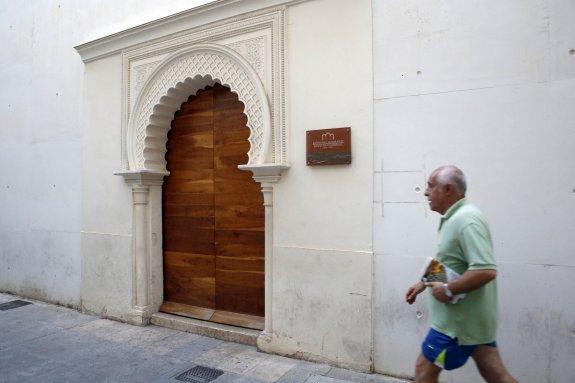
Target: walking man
{"x": 466, "y": 328}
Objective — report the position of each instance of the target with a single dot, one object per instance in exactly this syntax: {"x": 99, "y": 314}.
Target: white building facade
{"x": 89, "y": 96}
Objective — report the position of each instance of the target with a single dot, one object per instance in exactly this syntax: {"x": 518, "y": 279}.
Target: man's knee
{"x": 425, "y": 371}
{"x": 490, "y": 365}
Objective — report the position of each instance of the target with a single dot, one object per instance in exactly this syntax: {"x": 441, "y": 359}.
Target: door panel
{"x": 191, "y": 277}
{"x": 239, "y": 266}
{"x": 188, "y": 206}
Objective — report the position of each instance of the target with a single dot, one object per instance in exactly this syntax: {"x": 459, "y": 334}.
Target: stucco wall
{"x": 41, "y": 150}
{"x": 322, "y": 215}
{"x": 487, "y": 86}
{"x": 107, "y": 207}
{"x": 41, "y": 139}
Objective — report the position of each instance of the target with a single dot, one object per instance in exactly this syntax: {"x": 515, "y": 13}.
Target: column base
{"x": 264, "y": 342}
{"x": 140, "y": 316}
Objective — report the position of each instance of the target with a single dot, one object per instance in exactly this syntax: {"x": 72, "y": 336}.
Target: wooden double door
{"x": 213, "y": 215}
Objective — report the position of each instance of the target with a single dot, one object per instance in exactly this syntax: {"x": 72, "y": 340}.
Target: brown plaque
{"x": 328, "y": 146}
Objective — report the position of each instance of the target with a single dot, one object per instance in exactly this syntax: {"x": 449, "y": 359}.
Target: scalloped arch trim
{"x": 173, "y": 81}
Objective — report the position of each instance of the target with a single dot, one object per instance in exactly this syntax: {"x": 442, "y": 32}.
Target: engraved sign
{"x": 328, "y": 146}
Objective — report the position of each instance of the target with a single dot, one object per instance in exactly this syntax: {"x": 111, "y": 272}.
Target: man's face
{"x": 436, "y": 195}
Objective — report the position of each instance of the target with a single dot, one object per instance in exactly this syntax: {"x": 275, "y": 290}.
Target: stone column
{"x": 140, "y": 242}
{"x": 141, "y": 182}
{"x": 267, "y": 190}
{"x": 267, "y": 175}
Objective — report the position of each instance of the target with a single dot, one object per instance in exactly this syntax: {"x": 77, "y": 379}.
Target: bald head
{"x": 446, "y": 186}
{"x": 451, "y": 175}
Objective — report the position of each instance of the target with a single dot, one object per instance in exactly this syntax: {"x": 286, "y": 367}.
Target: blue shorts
{"x": 444, "y": 352}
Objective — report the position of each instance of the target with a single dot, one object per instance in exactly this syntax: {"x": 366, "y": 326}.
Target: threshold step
{"x": 210, "y": 329}
{"x": 219, "y": 316}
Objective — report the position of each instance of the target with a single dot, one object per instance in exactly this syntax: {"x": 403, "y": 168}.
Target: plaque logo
{"x": 329, "y": 136}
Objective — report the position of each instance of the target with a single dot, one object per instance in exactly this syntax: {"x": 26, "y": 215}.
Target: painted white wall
{"x": 106, "y": 212}
{"x": 322, "y": 215}
{"x": 488, "y": 86}
{"x": 41, "y": 139}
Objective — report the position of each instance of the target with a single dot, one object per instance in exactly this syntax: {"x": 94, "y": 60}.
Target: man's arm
{"x": 414, "y": 291}
{"x": 469, "y": 281}
{"x": 472, "y": 280}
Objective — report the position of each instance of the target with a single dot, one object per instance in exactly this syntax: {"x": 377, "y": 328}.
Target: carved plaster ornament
{"x": 257, "y": 37}
{"x": 182, "y": 74}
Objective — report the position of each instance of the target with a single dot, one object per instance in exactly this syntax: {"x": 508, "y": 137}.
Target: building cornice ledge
{"x": 198, "y": 16}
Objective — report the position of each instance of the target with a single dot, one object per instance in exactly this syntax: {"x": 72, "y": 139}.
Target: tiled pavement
{"x": 45, "y": 343}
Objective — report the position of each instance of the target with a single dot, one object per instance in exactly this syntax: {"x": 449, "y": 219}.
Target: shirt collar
{"x": 452, "y": 209}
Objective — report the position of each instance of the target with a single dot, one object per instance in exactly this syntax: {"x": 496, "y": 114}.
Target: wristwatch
{"x": 447, "y": 291}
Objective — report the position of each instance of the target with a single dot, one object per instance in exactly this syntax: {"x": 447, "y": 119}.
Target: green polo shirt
{"x": 465, "y": 244}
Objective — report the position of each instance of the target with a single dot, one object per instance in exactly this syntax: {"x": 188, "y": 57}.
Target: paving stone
{"x": 302, "y": 371}
{"x": 19, "y": 365}
{"x": 34, "y": 321}
{"x": 318, "y": 368}
{"x": 245, "y": 379}
{"x": 270, "y": 368}
{"x": 323, "y": 379}
{"x": 227, "y": 377}
{"x": 241, "y": 362}
{"x": 122, "y": 333}
{"x": 296, "y": 375}
{"x": 193, "y": 347}
{"x": 359, "y": 377}
{"x": 75, "y": 356}
{"x": 222, "y": 354}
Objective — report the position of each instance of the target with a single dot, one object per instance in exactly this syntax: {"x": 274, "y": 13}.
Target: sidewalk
{"x": 40, "y": 342}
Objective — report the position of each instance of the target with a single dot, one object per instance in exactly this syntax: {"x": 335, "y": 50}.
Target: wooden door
{"x": 213, "y": 215}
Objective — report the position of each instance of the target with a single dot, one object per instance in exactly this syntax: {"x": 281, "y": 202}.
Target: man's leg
{"x": 425, "y": 371}
{"x": 490, "y": 365}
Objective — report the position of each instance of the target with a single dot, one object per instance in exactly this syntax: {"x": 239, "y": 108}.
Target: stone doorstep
{"x": 210, "y": 329}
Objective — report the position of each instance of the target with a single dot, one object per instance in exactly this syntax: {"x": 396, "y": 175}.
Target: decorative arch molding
{"x": 173, "y": 81}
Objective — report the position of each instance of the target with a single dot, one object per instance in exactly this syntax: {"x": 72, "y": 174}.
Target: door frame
{"x": 173, "y": 81}
{"x": 213, "y": 303}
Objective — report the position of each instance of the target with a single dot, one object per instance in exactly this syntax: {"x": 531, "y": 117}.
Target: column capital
{"x": 143, "y": 177}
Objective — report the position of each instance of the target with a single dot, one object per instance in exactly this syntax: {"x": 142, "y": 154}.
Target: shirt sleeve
{"x": 477, "y": 248}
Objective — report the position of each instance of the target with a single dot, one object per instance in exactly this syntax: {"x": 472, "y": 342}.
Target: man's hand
{"x": 438, "y": 291}
{"x": 413, "y": 292}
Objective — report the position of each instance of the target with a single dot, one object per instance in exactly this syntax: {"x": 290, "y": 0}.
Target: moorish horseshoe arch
{"x": 174, "y": 80}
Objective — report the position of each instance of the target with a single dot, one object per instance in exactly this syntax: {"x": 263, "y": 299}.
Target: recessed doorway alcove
{"x": 201, "y": 68}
